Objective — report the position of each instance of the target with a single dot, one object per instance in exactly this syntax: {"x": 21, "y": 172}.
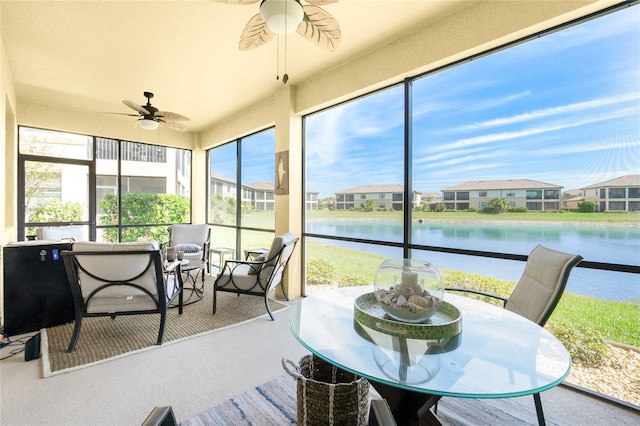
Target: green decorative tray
{"x": 443, "y": 325}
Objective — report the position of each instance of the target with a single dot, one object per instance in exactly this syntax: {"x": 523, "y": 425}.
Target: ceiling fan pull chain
{"x": 278, "y": 58}
{"x": 285, "y": 77}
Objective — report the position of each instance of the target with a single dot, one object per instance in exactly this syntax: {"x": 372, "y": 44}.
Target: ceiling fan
{"x": 287, "y": 16}
{"x": 151, "y": 117}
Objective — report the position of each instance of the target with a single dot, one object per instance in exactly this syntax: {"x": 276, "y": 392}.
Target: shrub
{"x": 459, "y": 279}
{"x": 438, "y": 207}
{"x": 57, "y": 211}
{"x": 586, "y": 207}
{"x": 142, "y": 208}
{"x": 586, "y": 346}
{"x": 498, "y": 205}
{"x": 320, "y": 271}
{"x": 351, "y": 280}
{"x": 518, "y": 210}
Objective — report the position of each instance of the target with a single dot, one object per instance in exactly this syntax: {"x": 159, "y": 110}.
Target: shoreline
{"x": 625, "y": 224}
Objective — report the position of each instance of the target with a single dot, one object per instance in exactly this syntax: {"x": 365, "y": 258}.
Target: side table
{"x": 222, "y": 253}
{"x": 193, "y": 288}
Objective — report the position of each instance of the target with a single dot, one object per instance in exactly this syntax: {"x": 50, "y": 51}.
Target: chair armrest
{"x": 380, "y": 413}
{"x": 478, "y": 292}
{"x": 169, "y": 267}
{"x": 161, "y": 416}
{"x": 231, "y": 265}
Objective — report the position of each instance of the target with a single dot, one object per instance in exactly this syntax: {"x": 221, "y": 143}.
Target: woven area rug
{"x": 270, "y": 404}
{"x": 274, "y": 403}
{"x": 103, "y": 339}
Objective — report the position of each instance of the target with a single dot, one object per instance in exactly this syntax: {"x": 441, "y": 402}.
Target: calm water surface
{"x": 615, "y": 244}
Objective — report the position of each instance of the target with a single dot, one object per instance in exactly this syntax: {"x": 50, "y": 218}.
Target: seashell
{"x": 401, "y": 300}
{"x": 425, "y": 303}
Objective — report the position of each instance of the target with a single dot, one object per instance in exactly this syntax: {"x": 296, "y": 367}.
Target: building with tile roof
{"x": 526, "y": 193}
{"x": 619, "y": 194}
{"x": 387, "y": 197}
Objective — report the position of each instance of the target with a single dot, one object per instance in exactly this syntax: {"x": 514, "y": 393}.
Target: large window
{"x": 536, "y": 120}
{"x": 116, "y": 190}
{"x": 241, "y": 193}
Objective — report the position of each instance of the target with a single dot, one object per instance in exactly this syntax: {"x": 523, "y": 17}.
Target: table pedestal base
{"x": 409, "y": 408}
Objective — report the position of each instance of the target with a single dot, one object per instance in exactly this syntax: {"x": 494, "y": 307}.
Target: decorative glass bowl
{"x": 408, "y": 290}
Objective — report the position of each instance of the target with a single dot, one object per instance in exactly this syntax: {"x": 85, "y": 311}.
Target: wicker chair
{"x": 120, "y": 279}
{"x": 257, "y": 277}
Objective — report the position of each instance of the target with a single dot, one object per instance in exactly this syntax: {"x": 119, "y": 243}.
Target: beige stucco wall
{"x": 482, "y": 25}
{"x": 8, "y": 143}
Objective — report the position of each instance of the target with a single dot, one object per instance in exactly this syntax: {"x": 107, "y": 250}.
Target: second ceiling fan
{"x": 286, "y": 16}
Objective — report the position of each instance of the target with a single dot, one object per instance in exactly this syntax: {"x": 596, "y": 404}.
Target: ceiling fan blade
{"x": 120, "y": 113}
{"x": 171, "y": 116}
{"x": 255, "y": 34}
{"x": 173, "y": 125}
{"x": 320, "y": 28}
{"x": 322, "y": 1}
{"x": 136, "y": 107}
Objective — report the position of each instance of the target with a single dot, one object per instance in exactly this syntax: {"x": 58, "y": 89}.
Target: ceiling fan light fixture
{"x": 281, "y": 16}
{"x": 148, "y": 124}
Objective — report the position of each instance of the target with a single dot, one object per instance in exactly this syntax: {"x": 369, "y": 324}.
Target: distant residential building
{"x": 619, "y": 194}
{"x": 431, "y": 198}
{"x": 260, "y": 195}
{"x": 531, "y": 194}
{"x": 222, "y": 186}
{"x": 312, "y": 200}
{"x": 389, "y": 197}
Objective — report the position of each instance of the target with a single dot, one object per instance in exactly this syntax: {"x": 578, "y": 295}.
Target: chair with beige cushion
{"x": 257, "y": 277}
{"x": 538, "y": 291}
{"x": 193, "y": 240}
{"x": 112, "y": 279}
{"x": 59, "y": 233}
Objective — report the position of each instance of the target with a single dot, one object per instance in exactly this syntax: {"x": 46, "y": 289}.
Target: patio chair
{"x": 257, "y": 277}
{"x": 538, "y": 291}
{"x": 112, "y": 279}
{"x": 193, "y": 240}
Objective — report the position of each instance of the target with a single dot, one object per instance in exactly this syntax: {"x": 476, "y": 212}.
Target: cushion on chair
{"x": 257, "y": 268}
{"x": 188, "y": 234}
{"x": 276, "y": 247}
{"x": 117, "y": 298}
{"x": 188, "y": 248}
{"x": 242, "y": 278}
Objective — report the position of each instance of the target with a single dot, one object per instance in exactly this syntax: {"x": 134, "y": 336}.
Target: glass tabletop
{"x": 498, "y": 354}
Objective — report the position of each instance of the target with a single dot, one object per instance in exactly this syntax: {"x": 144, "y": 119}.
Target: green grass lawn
{"x": 615, "y": 321}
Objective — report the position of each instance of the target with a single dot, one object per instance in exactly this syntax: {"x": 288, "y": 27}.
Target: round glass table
{"x": 498, "y": 354}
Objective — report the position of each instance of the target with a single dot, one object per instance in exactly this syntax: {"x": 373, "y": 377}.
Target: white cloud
{"x": 550, "y": 127}
{"x": 547, "y": 112}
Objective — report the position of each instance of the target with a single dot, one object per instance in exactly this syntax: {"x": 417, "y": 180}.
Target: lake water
{"x": 611, "y": 244}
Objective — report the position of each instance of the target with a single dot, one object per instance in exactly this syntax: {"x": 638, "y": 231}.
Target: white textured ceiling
{"x": 90, "y": 55}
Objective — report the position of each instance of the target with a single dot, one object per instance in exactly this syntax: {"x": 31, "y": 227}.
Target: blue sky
{"x": 562, "y": 109}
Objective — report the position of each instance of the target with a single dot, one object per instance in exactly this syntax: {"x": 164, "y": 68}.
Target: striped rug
{"x": 270, "y": 404}
{"x": 274, "y": 403}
